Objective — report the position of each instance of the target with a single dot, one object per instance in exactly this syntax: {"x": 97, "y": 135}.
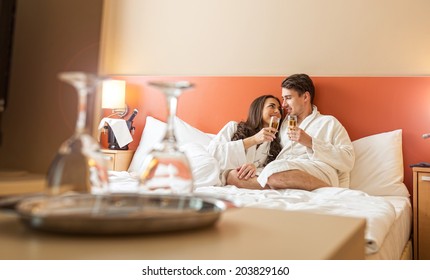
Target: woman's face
{"x": 271, "y": 108}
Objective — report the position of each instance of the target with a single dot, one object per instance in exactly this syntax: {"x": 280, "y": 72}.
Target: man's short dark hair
{"x": 301, "y": 83}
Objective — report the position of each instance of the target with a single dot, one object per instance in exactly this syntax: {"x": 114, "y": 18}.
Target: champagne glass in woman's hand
{"x": 274, "y": 123}
{"x": 292, "y": 124}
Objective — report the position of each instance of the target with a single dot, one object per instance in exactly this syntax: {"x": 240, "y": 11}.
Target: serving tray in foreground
{"x": 120, "y": 213}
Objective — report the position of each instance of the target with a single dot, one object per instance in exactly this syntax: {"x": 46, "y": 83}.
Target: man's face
{"x": 291, "y": 101}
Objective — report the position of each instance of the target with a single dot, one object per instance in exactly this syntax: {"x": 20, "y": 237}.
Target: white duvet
{"x": 378, "y": 212}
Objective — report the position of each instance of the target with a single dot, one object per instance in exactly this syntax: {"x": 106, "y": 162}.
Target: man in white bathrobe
{"x": 317, "y": 153}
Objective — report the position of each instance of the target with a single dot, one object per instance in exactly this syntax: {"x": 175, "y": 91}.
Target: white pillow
{"x": 205, "y": 167}
{"x": 186, "y": 133}
{"x": 152, "y": 134}
{"x": 191, "y": 140}
{"x": 378, "y": 168}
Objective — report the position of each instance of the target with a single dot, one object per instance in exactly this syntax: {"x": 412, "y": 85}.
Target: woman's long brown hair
{"x": 254, "y": 123}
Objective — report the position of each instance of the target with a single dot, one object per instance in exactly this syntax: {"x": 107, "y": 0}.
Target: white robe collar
{"x": 310, "y": 118}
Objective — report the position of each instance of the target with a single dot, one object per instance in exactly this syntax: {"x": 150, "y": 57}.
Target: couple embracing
{"x": 316, "y": 152}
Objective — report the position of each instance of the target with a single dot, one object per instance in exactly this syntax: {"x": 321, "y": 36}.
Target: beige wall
{"x": 266, "y": 37}
{"x": 50, "y": 36}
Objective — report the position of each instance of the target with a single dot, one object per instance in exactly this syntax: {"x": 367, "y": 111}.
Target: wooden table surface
{"x": 242, "y": 233}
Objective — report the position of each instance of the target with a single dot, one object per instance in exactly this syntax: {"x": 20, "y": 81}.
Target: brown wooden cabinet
{"x": 118, "y": 160}
{"x": 421, "y": 208}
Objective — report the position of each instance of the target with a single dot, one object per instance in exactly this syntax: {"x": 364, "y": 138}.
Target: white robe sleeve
{"x": 230, "y": 154}
{"x": 334, "y": 147}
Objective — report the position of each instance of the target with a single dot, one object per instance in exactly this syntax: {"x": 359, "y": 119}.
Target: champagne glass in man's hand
{"x": 292, "y": 124}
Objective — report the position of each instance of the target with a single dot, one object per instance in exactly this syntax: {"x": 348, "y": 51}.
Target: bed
{"x": 377, "y": 191}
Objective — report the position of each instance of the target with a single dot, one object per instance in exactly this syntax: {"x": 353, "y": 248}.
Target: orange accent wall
{"x": 364, "y": 105}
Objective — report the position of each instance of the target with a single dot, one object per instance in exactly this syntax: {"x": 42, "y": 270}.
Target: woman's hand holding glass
{"x": 266, "y": 134}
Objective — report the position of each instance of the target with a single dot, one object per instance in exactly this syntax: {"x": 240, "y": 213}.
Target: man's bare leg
{"x": 295, "y": 179}
{"x": 291, "y": 179}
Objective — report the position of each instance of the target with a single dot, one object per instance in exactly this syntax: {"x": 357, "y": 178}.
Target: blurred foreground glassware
{"x": 79, "y": 165}
{"x": 166, "y": 168}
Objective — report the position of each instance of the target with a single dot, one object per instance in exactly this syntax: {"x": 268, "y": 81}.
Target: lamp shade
{"x": 113, "y": 94}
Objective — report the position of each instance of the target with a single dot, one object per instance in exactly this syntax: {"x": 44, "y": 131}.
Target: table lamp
{"x": 113, "y": 97}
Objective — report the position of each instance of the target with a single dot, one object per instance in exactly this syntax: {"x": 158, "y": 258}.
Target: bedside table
{"x": 421, "y": 208}
{"x": 118, "y": 160}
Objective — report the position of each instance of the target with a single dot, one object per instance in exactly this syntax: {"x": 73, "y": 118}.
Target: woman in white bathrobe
{"x": 318, "y": 153}
{"x": 244, "y": 146}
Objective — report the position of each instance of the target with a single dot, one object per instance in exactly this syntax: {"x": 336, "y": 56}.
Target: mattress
{"x": 399, "y": 233}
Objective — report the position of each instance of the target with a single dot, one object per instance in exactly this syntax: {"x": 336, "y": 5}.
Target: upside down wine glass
{"x": 166, "y": 168}
{"x": 79, "y": 165}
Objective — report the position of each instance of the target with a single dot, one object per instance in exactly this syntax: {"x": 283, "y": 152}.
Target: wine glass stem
{"x": 172, "y": 103}
{"x": 82, "y": 111}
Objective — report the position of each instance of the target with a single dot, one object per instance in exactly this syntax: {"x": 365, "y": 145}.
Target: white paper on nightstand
{"x": 119, "y": 129}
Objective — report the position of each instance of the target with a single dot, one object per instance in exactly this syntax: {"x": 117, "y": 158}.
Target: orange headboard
{"x": 364, "y": 105}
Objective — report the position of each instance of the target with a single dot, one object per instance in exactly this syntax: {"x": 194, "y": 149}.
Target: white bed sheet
{"x": 388, "y": 218}
{"x": 379, "y": 213}
{"x": 400, "y": 231}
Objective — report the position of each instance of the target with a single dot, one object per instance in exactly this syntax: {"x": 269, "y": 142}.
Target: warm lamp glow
{"x": 113, "y": 94}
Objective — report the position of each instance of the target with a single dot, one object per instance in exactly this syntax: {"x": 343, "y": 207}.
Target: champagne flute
{"x": 292, "y": 124}
{"x": 274, "y": 123}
